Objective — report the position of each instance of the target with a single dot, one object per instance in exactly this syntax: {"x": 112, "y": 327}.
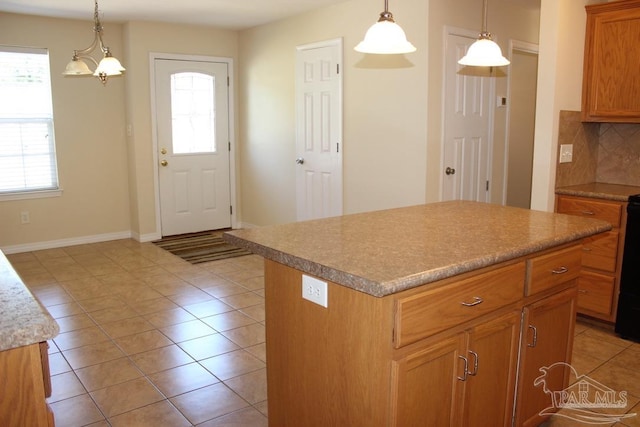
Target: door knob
{"x": 163, "y": 151}
{"x": 164, "y": 163}
{"x": 450, "y": 171}
{"x": 299, "y": 161}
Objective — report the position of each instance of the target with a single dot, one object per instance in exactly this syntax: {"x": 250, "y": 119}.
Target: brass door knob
{"x": 164, "y": 163}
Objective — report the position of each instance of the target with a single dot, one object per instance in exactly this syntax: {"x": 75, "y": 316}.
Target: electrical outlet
{"x": 315, "y": 290}
{"x": 566, "y": 153}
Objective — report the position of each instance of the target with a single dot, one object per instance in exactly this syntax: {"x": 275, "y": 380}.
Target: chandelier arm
{"x": 485, "y": 8}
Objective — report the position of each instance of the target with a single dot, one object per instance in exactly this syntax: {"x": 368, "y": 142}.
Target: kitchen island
{"x": 25, "y": 326}
{"x": 439, "y": 314}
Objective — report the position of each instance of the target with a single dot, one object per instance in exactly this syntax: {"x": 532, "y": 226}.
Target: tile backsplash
{"x": 602, "y": 152}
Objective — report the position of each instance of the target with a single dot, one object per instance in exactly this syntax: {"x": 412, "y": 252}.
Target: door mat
{"x": 200, "y": 247}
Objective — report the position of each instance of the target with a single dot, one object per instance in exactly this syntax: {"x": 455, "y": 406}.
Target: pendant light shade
{"x": 484, "y": 52}
{"x": 385, "y": 37}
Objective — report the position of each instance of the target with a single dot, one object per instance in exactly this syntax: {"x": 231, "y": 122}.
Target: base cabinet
{"x": 547, "y": 342}
{"x": 399, "y": 360}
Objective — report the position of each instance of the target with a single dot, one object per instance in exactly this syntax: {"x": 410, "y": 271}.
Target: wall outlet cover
{"x": 315, "y": 290}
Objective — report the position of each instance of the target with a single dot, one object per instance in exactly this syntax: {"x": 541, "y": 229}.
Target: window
{"x": 27, "y": 148}
{"x": 193, "y": 113}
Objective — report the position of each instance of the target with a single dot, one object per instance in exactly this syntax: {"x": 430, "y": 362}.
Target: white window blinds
{"x": 27, "y": 147}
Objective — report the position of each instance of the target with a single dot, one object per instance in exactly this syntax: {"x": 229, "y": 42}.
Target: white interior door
{"x": 319, "y": 130}
{"x": 192, "y": 119}
{"x": 467, "y": 125}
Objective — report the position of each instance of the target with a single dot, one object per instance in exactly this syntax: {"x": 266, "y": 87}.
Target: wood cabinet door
{"x": 611, "y": 84}
{"x": 493, "y": 359}
{"x": 427, "y": 385}
{"x": 547, "y": 339}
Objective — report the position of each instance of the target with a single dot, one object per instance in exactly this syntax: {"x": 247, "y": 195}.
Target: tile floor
{"x": 147, "y": 339}
{"x": 150, "y": 340}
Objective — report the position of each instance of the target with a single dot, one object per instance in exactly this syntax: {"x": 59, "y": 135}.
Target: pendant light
{"x": 385, "y": 36}
{"x": 484, "y": 52}
{"x": 108, "y": 65}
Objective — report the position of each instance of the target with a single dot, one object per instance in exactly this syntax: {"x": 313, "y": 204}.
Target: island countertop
{"x": 23, "y": 321}
{"x": 384, "y": 252}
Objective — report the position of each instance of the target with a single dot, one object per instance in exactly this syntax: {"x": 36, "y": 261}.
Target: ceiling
{"x": 230, "y": 14}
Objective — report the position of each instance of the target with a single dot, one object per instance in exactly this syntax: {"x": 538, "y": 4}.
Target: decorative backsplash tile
{"x": 602, "y": 152}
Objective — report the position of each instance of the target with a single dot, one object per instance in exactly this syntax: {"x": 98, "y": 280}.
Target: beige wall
{"x": 89, "y": 132}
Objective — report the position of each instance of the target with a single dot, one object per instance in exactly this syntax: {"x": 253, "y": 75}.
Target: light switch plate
{"x": 315, "y": 290}
{"x": 566, "y": 153}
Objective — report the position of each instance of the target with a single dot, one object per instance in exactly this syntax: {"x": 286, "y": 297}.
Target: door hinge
{"x": 487, "y": 187}
{"x": 337, "y": 147}
{"x": 337, "y": 68}
{"x": 230, "y": 210}
{"x": 228, "y": 84}
{"x": 229, "y": 145}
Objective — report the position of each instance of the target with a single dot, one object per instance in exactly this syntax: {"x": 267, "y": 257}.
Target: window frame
{"x": 34, "y": 193}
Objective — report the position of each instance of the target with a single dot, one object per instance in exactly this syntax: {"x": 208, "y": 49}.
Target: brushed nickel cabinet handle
{"x": 587, "y": 212}
{"x": 466, "y": 368}
{"x": 476, "y": 301}
{"x": 535, "y": 336}
{"x": 560, "y": 270}
{"x": 475, "y": 363}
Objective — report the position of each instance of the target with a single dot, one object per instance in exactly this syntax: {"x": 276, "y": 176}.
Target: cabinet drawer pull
{"x": 475, "y": 363}
{"x": 583, "y": 291}
{"x": 466, "y": 368}
{"x": 535, "y": 337}
{"x": 587, "y": 213}
{"x": 560, "y": 270}
{"x": 476, "y": 301}
{"x": 585, "y": 249}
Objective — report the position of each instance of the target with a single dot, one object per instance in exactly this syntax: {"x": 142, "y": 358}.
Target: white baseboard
{"x": 51, "y": 244}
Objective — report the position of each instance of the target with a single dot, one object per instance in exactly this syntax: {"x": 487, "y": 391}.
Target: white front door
{"x": 467, "y": 119}
{"x": 319, "y": 130}
{"x": 192, "y": 119}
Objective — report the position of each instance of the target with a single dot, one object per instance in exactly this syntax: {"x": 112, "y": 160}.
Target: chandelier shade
{"x": 385, "y": 37}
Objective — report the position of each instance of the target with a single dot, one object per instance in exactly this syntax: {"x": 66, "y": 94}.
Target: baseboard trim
{"x": 52, "y": 244}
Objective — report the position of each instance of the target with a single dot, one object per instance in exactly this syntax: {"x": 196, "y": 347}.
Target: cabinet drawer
{"x": 595, "y": 292}
{"x": 610, "y": 212}
{"x": 601, "y": 251}
{"x": 547, "y": 271}
{"x": 430, "y": 312}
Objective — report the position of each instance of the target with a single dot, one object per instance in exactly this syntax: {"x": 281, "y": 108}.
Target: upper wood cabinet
{"x": 611, "y": 76}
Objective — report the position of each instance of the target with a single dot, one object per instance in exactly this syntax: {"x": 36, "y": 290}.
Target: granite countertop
{"x": 384, "y": 252}
{"x": 599, "y": 190}
{"x": 23, "y": 321}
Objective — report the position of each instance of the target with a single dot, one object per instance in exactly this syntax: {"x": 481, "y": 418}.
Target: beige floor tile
{"x": 143, "y": 341}
{"x": 208, "y": 346}
{"x": 223, "y": 288}
{"x": 263, "y": 407}
{"x": 252, "y": 387}
{"x": 207, "y": 403}
{"x": 584, "y": 363}
{"x": 126, "y": 327}
{"x": 607, "y": 335}
{"x": 108, "y": 373}
{"x": 247, "y": 417}
{"x": 101, "y": 303}
{"x": 76, "y": 411}
{"x": 75, "y": 322}
{"x": 92, "y": 354}
{"x": 169, "y": 317}
{"x": 161, "y": 359}
{"x": 58, "y": 364}
{"x": 243, "y": 300}
{"x": 154, "y": 305}
{"x": 233, "y": 364}
{"x": 208, "y": 308}
{"x": 255, "y": 312}
{"x": 124, "y": 397}
{"x": 259, "y": 351}
{"x": 64, "y": 310}
{"x": 114, "y": 313}
{"x": 191, "y": 296}
{"x": 182, "y": 379}
{"x": 618, "y": 378}
{"x": 80, "y": 337}
{"x": 246, "y": 336}
{"x": 595, "y": 347}
{"x": 64, "y": 386}
{"x": 187, "y": 330}
{"x": 629, "y": 357}
{"x": 154, "y": 415}
{"x": 230, "y": 320}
